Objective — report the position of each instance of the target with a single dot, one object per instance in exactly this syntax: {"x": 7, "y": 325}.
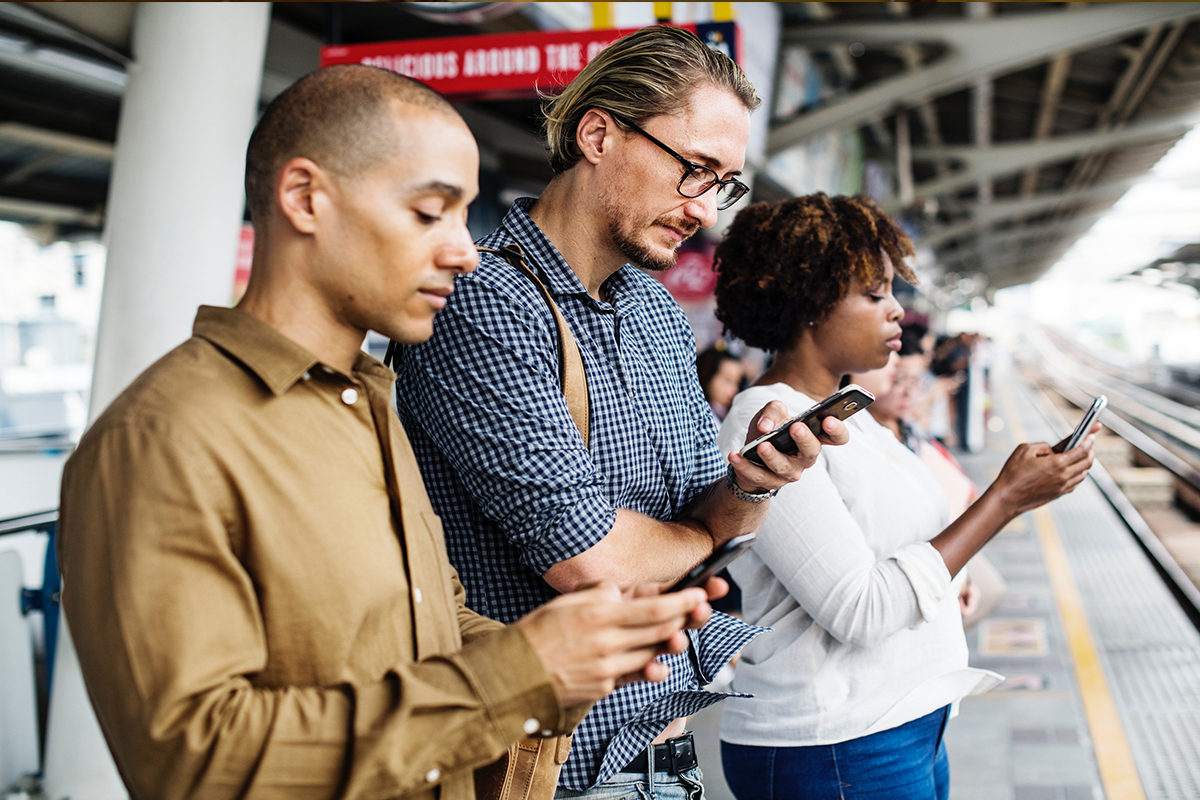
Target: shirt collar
{"x": 542, "y": 255}
{"x": 275, "y": 359}
{"x": 554, "y": 269}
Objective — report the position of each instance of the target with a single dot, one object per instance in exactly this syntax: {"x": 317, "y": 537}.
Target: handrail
{"x": 28, "y": 522}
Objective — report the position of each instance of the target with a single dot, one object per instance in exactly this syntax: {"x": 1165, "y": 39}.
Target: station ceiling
{"x": 1010, "y": 127}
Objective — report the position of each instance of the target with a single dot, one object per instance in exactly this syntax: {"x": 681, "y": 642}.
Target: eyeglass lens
{"x": 700, "y": 179}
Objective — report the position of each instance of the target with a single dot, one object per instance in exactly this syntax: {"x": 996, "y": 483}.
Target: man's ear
{"x": 295, "y": 186}
{"x": 595, "y": 134}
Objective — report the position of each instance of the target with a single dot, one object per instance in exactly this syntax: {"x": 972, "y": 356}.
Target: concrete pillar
{"x": 174, "y": 214}
{"x": 175, "y": 203}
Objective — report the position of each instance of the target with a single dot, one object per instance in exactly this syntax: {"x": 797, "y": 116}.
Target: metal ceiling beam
{"x": 993, "y": 254}
{"x": 1000, "y": 210}
{"x": 1003, "y": 159}
{"x": 30, "y": 211}
{"x": 64, "y": 143}
{"x": 57, "y": 65}
{"x": 976, "y": 49}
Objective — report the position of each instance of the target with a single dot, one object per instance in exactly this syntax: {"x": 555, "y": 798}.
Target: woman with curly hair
{"x": 854, "y": 568}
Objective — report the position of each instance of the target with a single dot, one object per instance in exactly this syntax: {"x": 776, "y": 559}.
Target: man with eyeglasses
{"x": 646, "y": 145}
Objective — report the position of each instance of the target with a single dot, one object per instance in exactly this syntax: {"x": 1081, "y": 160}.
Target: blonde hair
{"x": 649, "y": 72}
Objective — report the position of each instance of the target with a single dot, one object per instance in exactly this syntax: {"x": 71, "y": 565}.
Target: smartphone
{"x": 1085, "y": 424}
{"x": 722, "y": 557}
{"x": 841, "y": 404}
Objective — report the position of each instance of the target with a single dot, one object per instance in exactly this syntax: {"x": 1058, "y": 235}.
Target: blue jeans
{"x": 905, "y": 763}
{"x": 687, "y": 785}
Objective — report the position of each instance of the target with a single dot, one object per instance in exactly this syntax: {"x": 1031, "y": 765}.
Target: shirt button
{"x": 350, "y": 397}
{"x": 433, "y": 775}
{"x": 417, "y": 595}
{"x": 531, "y": 726}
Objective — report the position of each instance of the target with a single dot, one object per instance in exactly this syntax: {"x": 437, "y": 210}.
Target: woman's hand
{"x": 1034, "y": 474}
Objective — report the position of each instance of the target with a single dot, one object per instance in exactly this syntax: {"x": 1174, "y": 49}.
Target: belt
{"x": 673, "y": 756}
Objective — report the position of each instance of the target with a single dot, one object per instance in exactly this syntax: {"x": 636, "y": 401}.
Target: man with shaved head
{"x": 255, "y": 578}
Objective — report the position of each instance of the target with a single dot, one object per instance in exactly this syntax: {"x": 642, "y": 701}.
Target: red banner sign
{"x": 502, "y": 64}
{"x": 692, "y": 279}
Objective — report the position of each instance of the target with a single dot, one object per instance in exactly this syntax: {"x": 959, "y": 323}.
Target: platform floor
{"x": 1102, "y": 700}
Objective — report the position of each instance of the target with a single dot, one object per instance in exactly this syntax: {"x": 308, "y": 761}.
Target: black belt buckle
{"x": 681, "y": 751}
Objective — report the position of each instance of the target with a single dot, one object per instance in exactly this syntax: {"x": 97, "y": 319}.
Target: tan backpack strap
{"x": 572, "y": 379}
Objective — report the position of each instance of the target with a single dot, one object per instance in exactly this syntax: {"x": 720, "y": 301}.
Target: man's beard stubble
{"x": 639, "y": 254}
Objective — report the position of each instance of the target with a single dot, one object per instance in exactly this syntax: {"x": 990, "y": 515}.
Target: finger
{"x": 629, "y": 667}
{"x": 751, "y": 476}
{"x": 678, "y": 643}
{"x": 698, "y": 618}
{"x": 592, "y": 592}
{"x": 716, "y": 588}
{"x": 808, "y": 446}
{"x": 1076, "y": 455}
{"x": 835, "y": 431}
{"x": 651, "y": 611}
{"x": 772, "y": 415}
{"x": 653, "y": 672}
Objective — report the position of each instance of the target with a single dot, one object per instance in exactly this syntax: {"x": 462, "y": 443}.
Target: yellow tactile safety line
{"x": 1118, "y": 772}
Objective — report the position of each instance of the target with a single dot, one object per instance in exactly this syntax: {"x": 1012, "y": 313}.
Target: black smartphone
{"x": 1085, "y": 424}
{"x": 722, "y": 557}
{"x": 841, "y": 404}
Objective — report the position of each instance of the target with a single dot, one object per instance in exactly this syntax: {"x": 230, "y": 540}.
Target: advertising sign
{"x": 503, "y": 64}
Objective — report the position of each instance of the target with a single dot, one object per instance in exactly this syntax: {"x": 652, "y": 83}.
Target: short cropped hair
{"x": 651, "y": 71}
{"x": 784, "y": 265}
{"x": 338, "y": 117}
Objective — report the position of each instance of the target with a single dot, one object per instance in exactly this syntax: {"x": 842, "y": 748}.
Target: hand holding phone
{"x": 1084, "y": 426}
{"x": 841, "y": 404}
{"x": 722, "y": 557}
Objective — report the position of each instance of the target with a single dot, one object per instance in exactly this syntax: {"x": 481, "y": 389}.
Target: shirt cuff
{"x": 926, "y": 571}
{"x": 579, "y": 527}
{"x": 515, "y": 686}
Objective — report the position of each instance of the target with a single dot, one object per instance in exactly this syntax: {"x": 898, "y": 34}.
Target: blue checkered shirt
{"x": 509, "y": 474}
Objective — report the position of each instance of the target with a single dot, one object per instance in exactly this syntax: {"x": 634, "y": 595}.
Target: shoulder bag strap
{"x": 572, "y": 379}
{"x": 571, "y": 376}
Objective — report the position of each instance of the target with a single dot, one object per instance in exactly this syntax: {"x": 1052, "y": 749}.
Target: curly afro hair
{"x": 784, "y": 265}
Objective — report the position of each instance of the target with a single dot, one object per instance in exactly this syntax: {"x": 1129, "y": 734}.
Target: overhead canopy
{"x": 1012, "y": 126}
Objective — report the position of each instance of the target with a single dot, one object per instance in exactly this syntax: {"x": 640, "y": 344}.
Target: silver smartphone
{"x": 841, "y": 404}
{"x": 1085, "y": 424}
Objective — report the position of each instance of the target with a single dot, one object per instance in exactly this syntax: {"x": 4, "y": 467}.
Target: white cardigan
{"x": 867, "y": 631}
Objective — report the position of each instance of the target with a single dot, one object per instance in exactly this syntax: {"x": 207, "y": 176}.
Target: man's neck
{"x": 278, "y": 297}
{"x": 576, "y": 227}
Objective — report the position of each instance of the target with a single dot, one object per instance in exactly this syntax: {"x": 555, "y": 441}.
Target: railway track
{"x": 1164, "y": 430}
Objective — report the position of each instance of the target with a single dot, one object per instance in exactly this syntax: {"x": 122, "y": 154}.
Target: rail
{"x": 1123, "y": 419}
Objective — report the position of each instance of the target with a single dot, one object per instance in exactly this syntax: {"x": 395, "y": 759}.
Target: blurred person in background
{"x": 721, "y": 374}
{"x": 853, "y": 568}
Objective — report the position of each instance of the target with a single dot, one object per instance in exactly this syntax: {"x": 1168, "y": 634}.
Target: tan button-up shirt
{"x": 259, "y": 593}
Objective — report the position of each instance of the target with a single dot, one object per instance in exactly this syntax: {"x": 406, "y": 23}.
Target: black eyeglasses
{"x": 698, "y": 179}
